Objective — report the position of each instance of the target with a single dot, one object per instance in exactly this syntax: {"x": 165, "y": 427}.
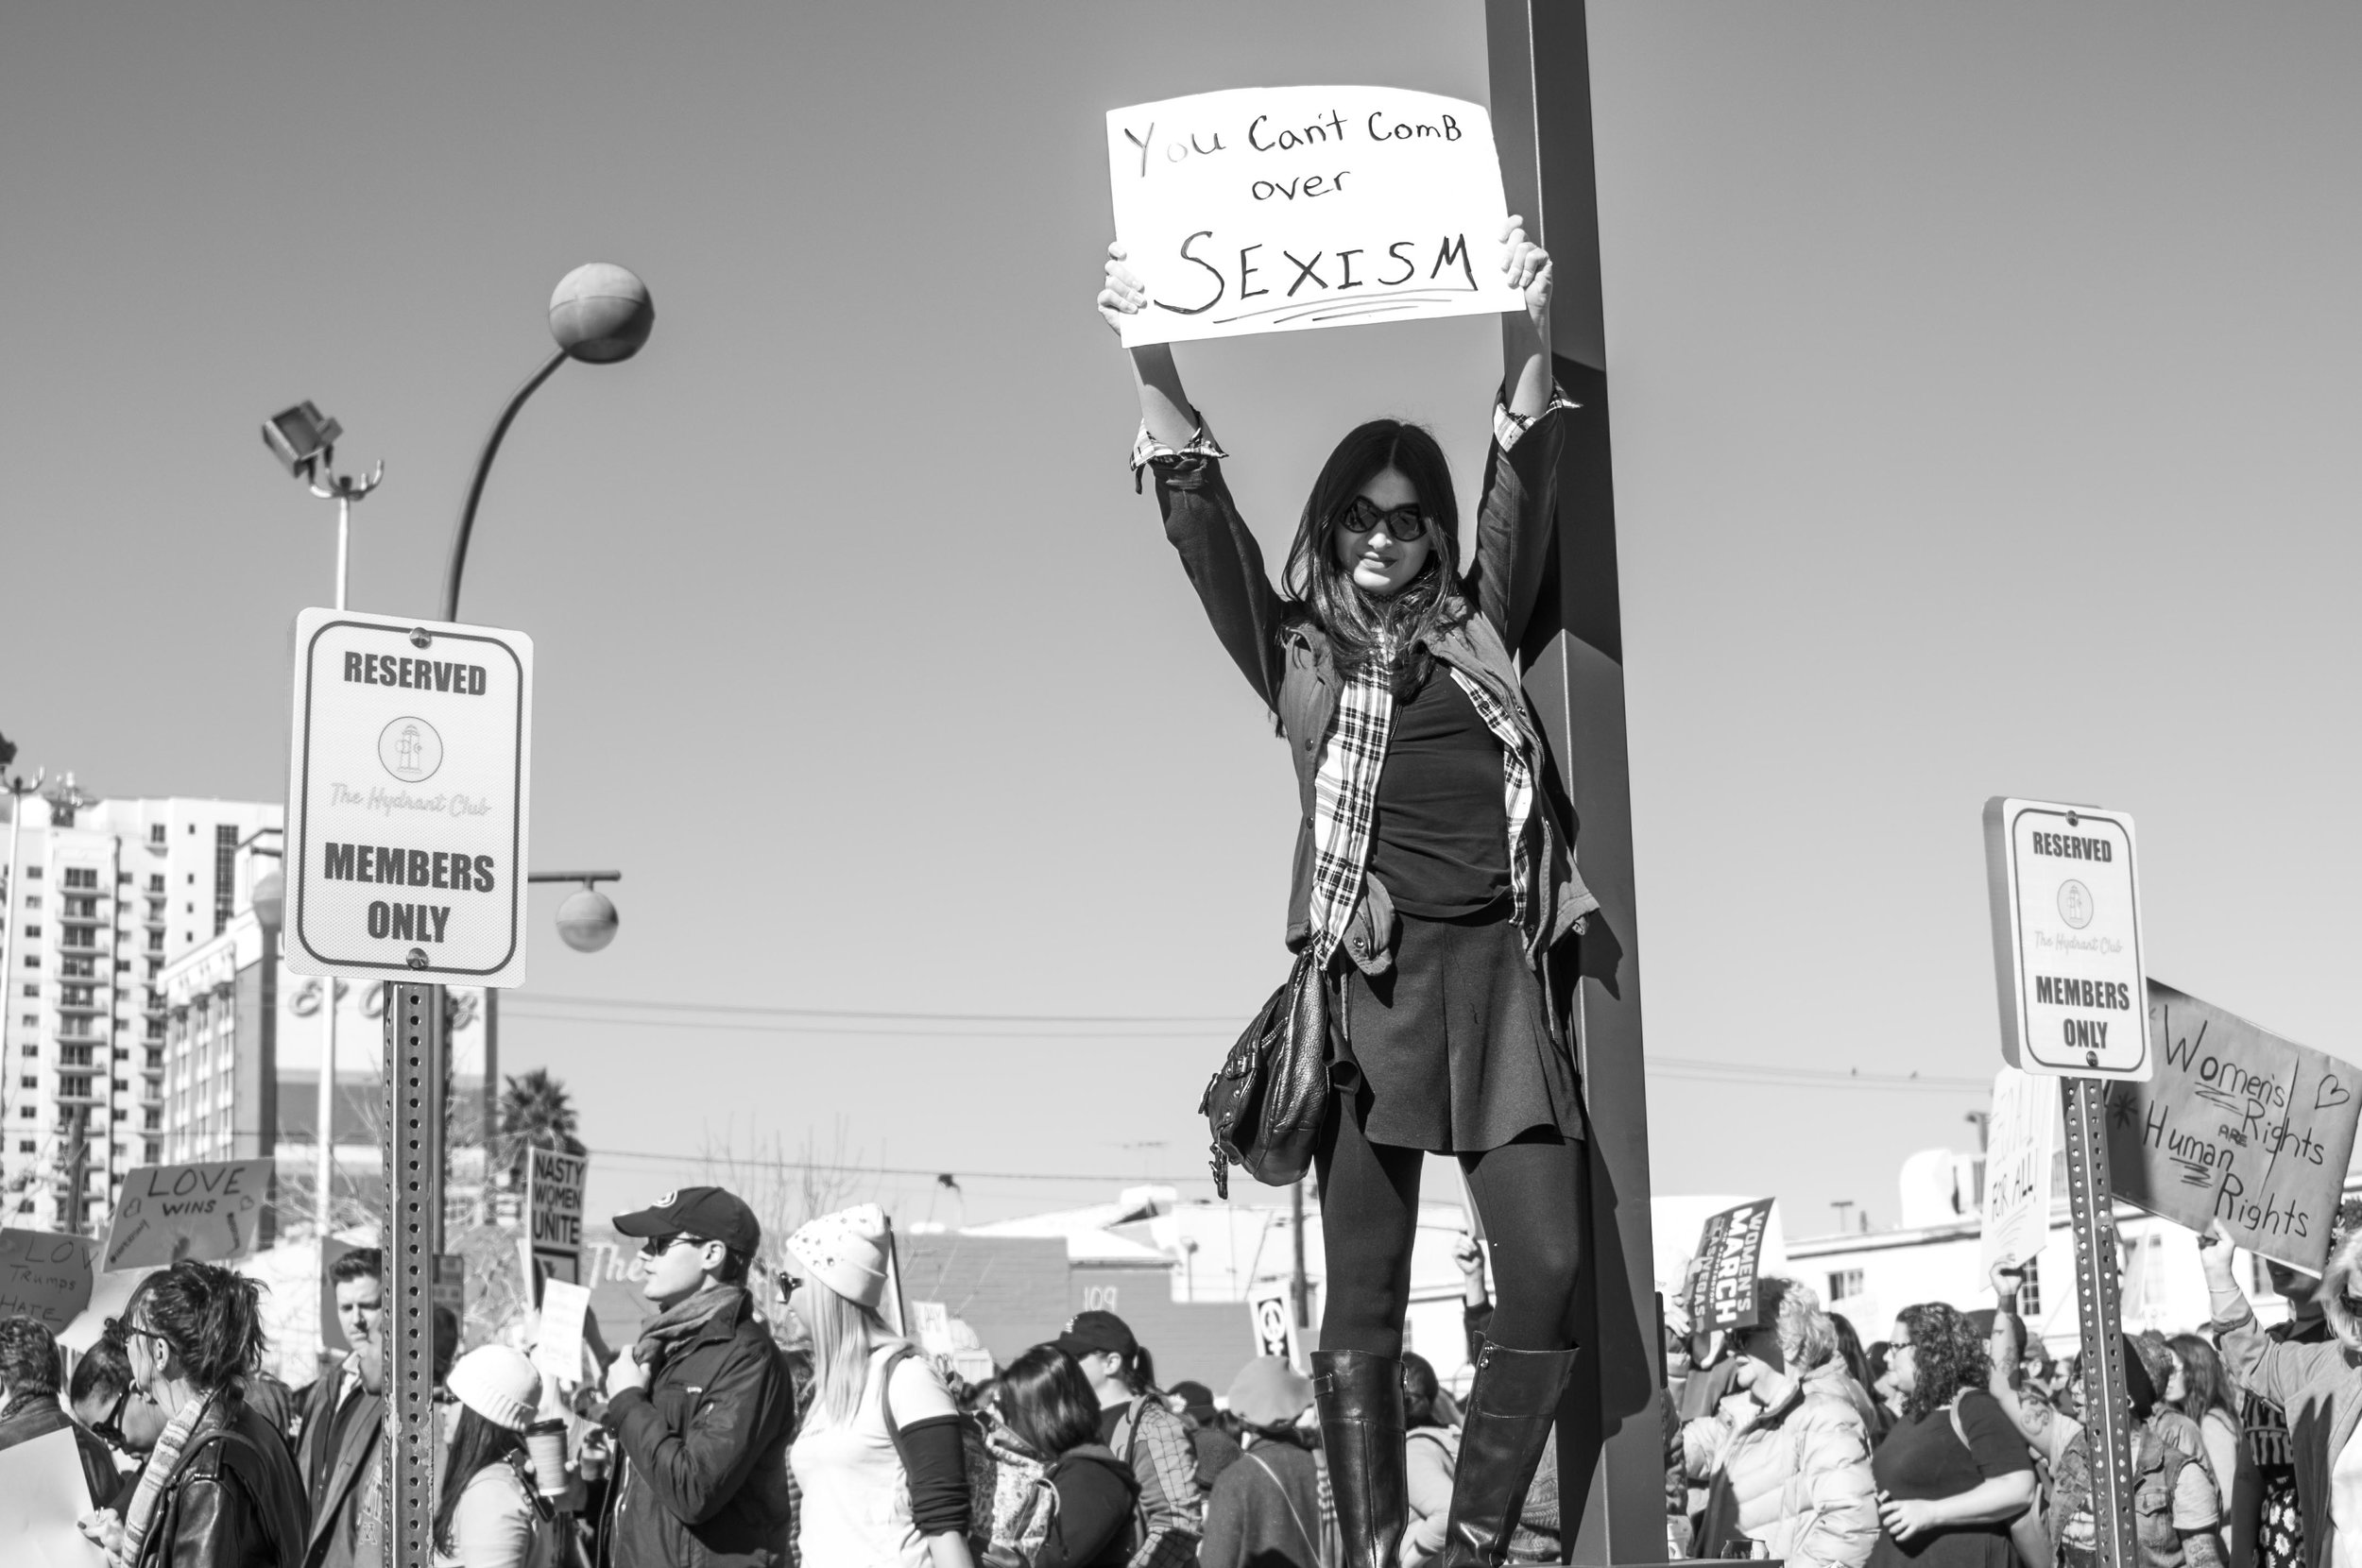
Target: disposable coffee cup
{"x": 545, "y": 1445}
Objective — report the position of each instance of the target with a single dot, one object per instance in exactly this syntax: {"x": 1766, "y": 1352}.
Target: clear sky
{"x": 1984, "y": 411}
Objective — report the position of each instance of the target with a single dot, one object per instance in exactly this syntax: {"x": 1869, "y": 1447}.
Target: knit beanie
{"x": 845, "y": 1251}
{"x": 1269, "y": 1392}
{"x": 498, "y": 1384}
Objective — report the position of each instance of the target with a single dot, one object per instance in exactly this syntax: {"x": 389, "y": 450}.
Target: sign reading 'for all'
{"x": 406, "y": 807}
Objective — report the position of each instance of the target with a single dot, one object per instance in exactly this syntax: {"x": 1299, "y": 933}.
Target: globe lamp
{"x": 587, "y": 921}
{"x": 600, "y": 313}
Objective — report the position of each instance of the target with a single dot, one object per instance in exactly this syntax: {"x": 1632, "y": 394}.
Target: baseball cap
{"x": 1096, "y": 1333}
{"x": 1196, "y": 1398}
{"x": 714, "y": 1214}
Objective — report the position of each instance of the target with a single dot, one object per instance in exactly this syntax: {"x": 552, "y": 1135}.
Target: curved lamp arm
{"x": 475, "y": 485}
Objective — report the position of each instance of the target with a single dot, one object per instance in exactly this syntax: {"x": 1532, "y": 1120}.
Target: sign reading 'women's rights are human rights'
{"x": 1263, "y": 210}
{"x": 411, "y": 771}
{"x": 2067, "y": 939}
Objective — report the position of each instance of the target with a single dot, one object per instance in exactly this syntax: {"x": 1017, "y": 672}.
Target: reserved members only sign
{"x": 406, "y": 804}
{"x": 1274, "y": 209}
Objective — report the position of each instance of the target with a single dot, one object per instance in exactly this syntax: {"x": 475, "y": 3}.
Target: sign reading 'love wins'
{"x": 2238, "y": 1125}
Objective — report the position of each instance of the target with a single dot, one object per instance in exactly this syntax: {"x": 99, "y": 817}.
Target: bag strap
{"x": 1289, "y": 1503}
{"x": 886, "y": 1402}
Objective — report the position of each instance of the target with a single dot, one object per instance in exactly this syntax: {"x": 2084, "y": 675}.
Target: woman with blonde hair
{"x": 879, "y": 1462}
{"x": 1787, "y": 1452}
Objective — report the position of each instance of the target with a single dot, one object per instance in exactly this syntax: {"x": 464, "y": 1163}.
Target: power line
{"x": 508, "y": 1012}
{"x": 874, "y": 1014}
{"x": 1820, "y": 1078}
{"x": 1131, "y": 1177}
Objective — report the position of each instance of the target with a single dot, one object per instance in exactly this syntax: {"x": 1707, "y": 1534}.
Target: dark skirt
{"x": 1451, "y": 1049}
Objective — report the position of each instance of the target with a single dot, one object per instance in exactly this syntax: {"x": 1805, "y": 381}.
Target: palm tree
{"x": 535, "y": 1112}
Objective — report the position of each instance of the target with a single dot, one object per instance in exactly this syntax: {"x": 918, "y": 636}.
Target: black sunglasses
{"x": 109, "y": 1428}
{"x": 1403, "y": 525}
{"x": 657, "y": 1245}
{"x": 789, "y": 1285}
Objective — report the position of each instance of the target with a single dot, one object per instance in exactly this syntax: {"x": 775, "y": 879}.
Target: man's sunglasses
{"x": 657, "y": 1245}
{"x": 1403, "y": 525}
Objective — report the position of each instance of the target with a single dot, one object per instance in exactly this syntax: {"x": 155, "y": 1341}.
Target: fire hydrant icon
{"x": 410, "y": 749}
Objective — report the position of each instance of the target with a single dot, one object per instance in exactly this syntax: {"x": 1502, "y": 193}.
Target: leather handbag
{"x": 1265, "y": 1103}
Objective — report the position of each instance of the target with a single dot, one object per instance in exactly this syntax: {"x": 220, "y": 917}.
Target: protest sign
{"x": 2238, "y": 1125}
{"x": 557, "y": 1340}
{"x": 45, "y": 1276}
{"x": 1276, "y": 209}
{"x": 1275, "y": 1320}
{"x": 553, "y": 1237}
{"x": 208, "y": 1212}
{"x": 1730, "y": 1250}
{"x": 2022, "y": 1139}
{"x": 109, "y": 1295}
{"x": 932, "y": 1323}
{"x": 41, "y": 1493}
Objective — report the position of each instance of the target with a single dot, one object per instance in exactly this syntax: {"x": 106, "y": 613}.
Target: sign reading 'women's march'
{"x": 1263, "y": 210}
{"x": 2238, "y": 1125}
{"x": 1730, "y": 1255}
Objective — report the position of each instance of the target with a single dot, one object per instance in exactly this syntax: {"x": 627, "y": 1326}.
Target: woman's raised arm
{"x": 1164, "y": 407}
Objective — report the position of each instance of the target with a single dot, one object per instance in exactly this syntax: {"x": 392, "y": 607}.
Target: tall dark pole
{"x": 1611, "y": 1444}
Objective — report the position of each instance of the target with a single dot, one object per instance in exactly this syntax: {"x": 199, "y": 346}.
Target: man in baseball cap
{"x": 708, "y": 1486}
{"x": 1135, "y": 1421}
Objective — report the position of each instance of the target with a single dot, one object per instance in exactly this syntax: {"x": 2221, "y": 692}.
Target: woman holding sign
{"x": 1435, "y": 880}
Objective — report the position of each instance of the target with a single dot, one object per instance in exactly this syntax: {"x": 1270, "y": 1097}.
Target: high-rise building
{"x": 99, "y": 895}
{"x": 242, "y": 1053}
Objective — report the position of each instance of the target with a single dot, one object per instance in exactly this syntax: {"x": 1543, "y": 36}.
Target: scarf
{"x": 1344, "y": 799}
{"x": 155, "y": 1477}
{"x": 684, "y": 1321}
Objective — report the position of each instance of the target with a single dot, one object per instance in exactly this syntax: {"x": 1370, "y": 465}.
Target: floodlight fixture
{"x": 302, "y": 438}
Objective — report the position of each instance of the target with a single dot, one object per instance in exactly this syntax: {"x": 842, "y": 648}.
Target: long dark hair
{"x": 475, "y": 1444}
{"x": 1419, "y": 1388}
{"x": 1361, "y": 627}
{"x": 1849, "y": 1349}
{"x": 1948, "y": 1357}
{"x": 1046, "y": 1399}
{"x": 210, "y": 1316}
{"x": 2204, "y": 1384}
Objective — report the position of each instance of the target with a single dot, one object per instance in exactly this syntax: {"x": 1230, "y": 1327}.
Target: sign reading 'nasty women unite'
{"x": 2238, "y": 1125}
{"x": 1265, "y": 210}
{"x": 407, "y": 801}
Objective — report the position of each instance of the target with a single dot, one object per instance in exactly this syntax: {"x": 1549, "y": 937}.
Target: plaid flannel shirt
{"x": 1153, "y": 1440}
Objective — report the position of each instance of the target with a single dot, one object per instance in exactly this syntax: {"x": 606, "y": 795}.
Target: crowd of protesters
{"x": 823, "y": 1438}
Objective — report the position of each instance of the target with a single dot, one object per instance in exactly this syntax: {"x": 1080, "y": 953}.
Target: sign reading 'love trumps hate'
{"x": 2238, "y": 1125}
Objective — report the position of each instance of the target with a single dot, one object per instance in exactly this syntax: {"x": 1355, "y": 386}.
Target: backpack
{"x": 977, "y": 1458}
{"x": 1025, "y": 1501}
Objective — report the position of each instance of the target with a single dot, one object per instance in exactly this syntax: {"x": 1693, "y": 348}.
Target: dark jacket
{"x": 701, "y": 1456}
{"x": 1098, "y": 1498}
{"x": 1286, "y": 659}
{"x": 1265, "y": 1511}
{"x": 335, "y": 1477}
{"x": 37, "y": 1416}
{"x": 235, "y": 1502}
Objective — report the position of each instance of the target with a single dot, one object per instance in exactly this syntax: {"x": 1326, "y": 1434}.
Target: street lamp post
{"x": 600, "y": 314}
{"x": 304, "y": 441}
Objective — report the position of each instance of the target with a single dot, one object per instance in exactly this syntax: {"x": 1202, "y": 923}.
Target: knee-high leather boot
{"x": 1360, "y": 1397}
{"x": 1507, "y": 1420}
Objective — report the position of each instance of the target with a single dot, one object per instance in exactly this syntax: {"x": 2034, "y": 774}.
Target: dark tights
{"x": 1531, "y": 1196}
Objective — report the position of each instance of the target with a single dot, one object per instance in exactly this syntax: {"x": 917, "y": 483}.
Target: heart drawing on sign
{"x": 2331, "y": 1093}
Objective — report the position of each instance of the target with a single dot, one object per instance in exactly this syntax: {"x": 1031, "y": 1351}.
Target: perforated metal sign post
{"x": 2067, "y": 967}
{"x": 415, "y": 1048}
{"x": 409, "y": 777}
{"x": 2100, "y": 1312}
